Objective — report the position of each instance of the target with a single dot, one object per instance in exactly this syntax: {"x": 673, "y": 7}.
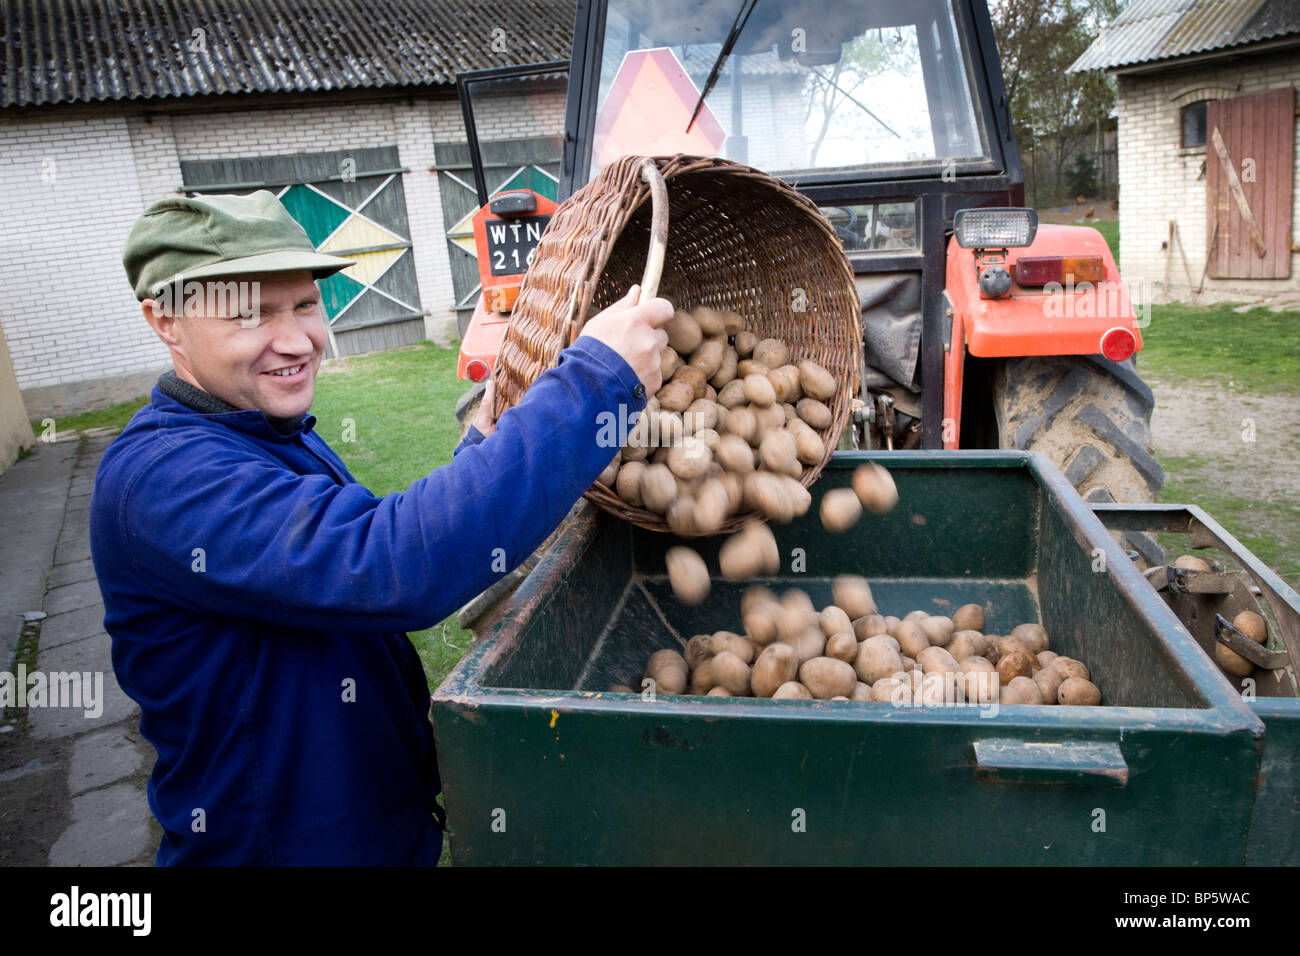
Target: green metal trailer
{"x": 542, "y": 765}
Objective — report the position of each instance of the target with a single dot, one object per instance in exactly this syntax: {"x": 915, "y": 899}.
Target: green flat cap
{"x": 202, "y": 237}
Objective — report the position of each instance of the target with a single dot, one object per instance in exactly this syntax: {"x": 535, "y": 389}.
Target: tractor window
{"x": 809, "y": 86}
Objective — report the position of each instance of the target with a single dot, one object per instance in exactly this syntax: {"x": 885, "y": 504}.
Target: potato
{"x": 964, "y": 644}
{"x": 842, "y": 646}
{"x": 742, "y": 423}
{"x": 1033, "y": 636}
{"x": 827, "y": 677}
{"x": 976, "y": 665}
{"x": 1026, "y": 690}
{"x": 809, "y": 448}
{"x": 808, "y": 643}
{"x": 702, "y": 679}
{"x": 749, "y": 552}
{"x": 731, "y": 672}
{"x": 768, "y": 418}
{"x": 698, "y": 650}
{"x": 688, "y": 575}
{"x": 732, "y": 485}
{"x": 1191, "y": 562}
{"x": 1068, "y": 667}
{"x": 777, "y": 450}
{"x": 690, "y": 459}
{"x": 869, "y": 626}
{"x": 746, "y": 367}
{"x": 759, "y": 622}
{"x": 620, "y": 689}
{"x": 692, "y": 376}
{"x": 658, "y": 488}
{"x": 1015, "y": 664}
{"x": 684, "y": 333}
{"x": 710, "y": 439}
{"x": 677, "y": 395}
{"x": 978, "y": 685}
{"x": 772, "y": 353}
{"x": 968, "y": 617}
{"x": 790, "y": 414}
{"x": 732, "y": 394}
{"x": 792, "y": 690}
{"x": 745, "y": 343}
{"x": 875, "y": 489}
{"x": 840, "y": 510}
{"x": 835, "y": 620}
{"x": 709, "y": 320}
{"x": 891, "y": 690}
{"x": 861, "y": 691}
{"x": 936, "y": 660}
{"x": 816, "y": 381}
{"x": 701, "y": 415}
{"x": 814, "y": 413}
{"x": 917, "y": 615}
{"x": 742, "y": 647}
{"x": 708, "y": 357}
{"x": 1254, "y": 627}
{"x": 1077, "y": 692}
{"x": 777, "y": 664}
{"x": 759, "y": 390}
{"x": 669, "y": 362}
{"x": 628, "y": 483}
{"x": 785, "y": 382}
{"x": 797, "y": 613}
{"x": 1011, "y": 645}
{"x": 711, "y": 506}
{"x": 1044, "y": 658}
{"x": 939, "y": 687}
{"x": 766, "y": 493}
{"x": 876, "y": 660}
{"x": 912, "y": 640}
{"x": 1049, "y": 682}
{"x": 719, "y": 692}
{"x": 681, "y": 516}
{"x": 667, "y": 669}
{"x": 607, "y": 476}
{"x": 938, "y": 629}
{"x": 853, "y": 594}
{"x": 726, "y": 373}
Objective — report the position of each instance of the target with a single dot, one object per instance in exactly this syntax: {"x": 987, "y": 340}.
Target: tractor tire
{"x": 1092, "y": 417}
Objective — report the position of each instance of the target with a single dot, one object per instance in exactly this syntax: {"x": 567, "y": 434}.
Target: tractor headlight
{"x": 995, "y": 228}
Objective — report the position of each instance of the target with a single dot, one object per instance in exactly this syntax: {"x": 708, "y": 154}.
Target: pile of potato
{"x": 849, "y": 651}
{"x": 733, "y": 428}
{"x": 1248, "y": 622}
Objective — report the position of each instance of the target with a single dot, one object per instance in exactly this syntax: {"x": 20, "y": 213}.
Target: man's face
{"x": 264, "y": 358}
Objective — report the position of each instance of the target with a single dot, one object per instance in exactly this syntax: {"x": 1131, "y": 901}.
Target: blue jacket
{"x": 256, "y": 596}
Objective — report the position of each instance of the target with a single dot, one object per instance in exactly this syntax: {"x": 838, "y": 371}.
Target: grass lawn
{"x": 1257, "y": 351}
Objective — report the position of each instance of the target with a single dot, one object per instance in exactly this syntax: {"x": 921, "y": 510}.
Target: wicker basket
{"x": 737, "y": 239}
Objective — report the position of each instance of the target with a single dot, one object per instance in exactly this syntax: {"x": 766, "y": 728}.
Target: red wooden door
{"x": 1249, "y": 169}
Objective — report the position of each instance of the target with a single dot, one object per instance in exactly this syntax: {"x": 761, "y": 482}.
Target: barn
{"x": 1208, "y": 179}
{"x": 348, "y": 112}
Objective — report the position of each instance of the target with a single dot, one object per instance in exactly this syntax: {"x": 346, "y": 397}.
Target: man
{"x": 256, "y": 594}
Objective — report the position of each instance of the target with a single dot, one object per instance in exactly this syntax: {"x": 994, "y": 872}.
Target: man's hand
{"x": 635, "y": 332}
{"x": 485, "y": 421}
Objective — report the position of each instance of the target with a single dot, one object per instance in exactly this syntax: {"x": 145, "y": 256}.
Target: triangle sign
{"x": 647, "y": 109}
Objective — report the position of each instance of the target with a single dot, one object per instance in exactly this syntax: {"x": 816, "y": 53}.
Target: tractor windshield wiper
{"x": 742, "y": 17}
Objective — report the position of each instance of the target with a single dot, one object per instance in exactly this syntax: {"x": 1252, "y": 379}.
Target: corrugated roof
{"x": 1150, "y": 30}
{"x": 66, "y": 51}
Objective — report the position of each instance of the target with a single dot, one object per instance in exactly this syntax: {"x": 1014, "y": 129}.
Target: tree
{"x": 1038, "y": 40}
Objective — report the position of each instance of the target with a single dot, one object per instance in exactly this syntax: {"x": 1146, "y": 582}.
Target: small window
{"x": 1194, "y": 124}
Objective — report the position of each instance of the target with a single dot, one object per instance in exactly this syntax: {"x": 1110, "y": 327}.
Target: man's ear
{"x": 162, "y": 322}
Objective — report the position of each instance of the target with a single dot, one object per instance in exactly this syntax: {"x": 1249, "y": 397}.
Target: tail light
{"x": 1063, "y": 270}
{"x": 477, "y": 370}
{"x": 1118, "y": 344}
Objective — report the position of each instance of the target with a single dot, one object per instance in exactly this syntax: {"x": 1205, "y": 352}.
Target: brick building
{"x": 1207, "y": 140}
{"x": 348, "y": 112}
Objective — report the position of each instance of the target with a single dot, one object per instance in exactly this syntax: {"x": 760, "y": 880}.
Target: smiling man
{"x": 257, "y": 595}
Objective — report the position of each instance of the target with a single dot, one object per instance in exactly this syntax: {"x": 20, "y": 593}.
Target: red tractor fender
{"x": 1057, "y": 319}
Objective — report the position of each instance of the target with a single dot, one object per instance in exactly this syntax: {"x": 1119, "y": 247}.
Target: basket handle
{"x": 654, "y": 263}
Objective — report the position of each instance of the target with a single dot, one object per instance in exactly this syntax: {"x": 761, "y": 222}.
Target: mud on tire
{"x": 1092, "y": 419}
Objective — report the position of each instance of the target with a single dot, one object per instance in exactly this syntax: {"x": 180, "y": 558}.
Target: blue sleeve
{"x": 472, "y": 437}
{"x": 303, "y": 551}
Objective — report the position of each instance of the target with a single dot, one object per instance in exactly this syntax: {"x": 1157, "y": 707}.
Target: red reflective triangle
{"x": 647, "y": 109}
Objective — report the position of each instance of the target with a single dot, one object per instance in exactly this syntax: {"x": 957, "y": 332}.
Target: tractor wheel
{"x": 1093, "y": 419}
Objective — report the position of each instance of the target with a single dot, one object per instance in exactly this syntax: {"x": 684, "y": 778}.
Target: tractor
{"x": 981, "y": 328}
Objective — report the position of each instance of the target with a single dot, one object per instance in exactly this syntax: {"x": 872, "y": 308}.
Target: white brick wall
{"x": 70, "y": 190}
{"x": 1159, "y": 181}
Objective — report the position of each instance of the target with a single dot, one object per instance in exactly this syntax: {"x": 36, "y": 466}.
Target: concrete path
{"x": 72, "y": 785}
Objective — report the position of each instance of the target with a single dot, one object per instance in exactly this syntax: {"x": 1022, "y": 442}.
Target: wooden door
{"x": 1249, "y": 170}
